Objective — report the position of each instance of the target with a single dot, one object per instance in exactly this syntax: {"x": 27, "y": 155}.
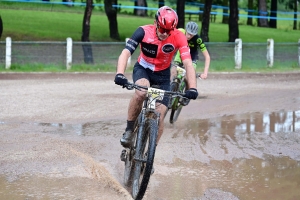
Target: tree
{"x": 262, "y": 13}
{"x": 205, "y": 21}
{"x": 139, "y": 11}
{"x": 181, "y": 13}
{"x": 87, "y": 48}
{"x": 273, "y": 15}
{"x": 161, "y": 3}
{"x": 233, "y": 20}
{"x": 295, "y": 15}
{"x": 250, "y": 12}
{"x": 1, "y": 26}
{"x": 225, "y": 12}
{"x": 111, "y": 14}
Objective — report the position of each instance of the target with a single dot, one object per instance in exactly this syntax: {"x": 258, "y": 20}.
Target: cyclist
{"x": 195, "y": 43}
{"x": 158, "y": 43}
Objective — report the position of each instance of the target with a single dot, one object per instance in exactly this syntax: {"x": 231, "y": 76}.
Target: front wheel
{"x": 177, "y": 104}
{"x": 128, "y": 155}
{"x": 144, "y": 158}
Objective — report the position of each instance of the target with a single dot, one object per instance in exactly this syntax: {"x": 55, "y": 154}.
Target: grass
{"x": 57, "y": 22}
{"x": 44, "y": 22}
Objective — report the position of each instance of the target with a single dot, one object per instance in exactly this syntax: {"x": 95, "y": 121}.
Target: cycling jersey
{"x": 157, "y": 54}
{"x": 194, "y": 43}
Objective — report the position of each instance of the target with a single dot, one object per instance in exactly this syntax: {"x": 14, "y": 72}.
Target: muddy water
{"x": 249, "y": 156}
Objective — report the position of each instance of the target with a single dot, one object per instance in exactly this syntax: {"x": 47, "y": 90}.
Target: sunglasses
{"x": 162, "y": 30}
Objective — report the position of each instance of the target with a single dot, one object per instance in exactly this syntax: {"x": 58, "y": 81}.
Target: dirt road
{"x": 59, "y": 136}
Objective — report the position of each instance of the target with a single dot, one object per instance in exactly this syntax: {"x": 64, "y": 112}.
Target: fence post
{"x": 129, "y": 59}
{"x": 270, "y": 52}
{"x": 299, "y": 52}
{"x": 8, "y": 53}
{"x": 238, "y": 53}
{"x": 69, "y": 53}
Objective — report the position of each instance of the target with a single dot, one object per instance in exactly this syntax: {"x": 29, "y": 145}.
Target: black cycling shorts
{"x": 160, "y": 79}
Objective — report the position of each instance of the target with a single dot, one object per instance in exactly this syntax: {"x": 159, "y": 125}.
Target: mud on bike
{"x": 139, "y": 156}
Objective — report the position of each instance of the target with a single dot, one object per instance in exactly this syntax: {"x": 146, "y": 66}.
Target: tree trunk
{"x": 87, "y": 48}
{"x": 161, "y": 3}
{"x": 180, "y": 13}
{"x": 273, "y": 15}
{"x": 205, "y": 21}
{"x": 262, "y": 13}
{"x": 250, "y": 13}
{"x": 225, "y": 12}
{"x": 295, "y": 15}
{"x": 233, "y": 21}
{"x": 138, "y": 11}
{"x": 201, "y": 14}
{"x": 111, "y": 14}
{"x": 1, "y": 26}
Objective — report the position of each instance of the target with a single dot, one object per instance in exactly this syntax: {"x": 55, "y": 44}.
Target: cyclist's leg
{"x": 162, "y": 79}
{"x": 140, "y": 77}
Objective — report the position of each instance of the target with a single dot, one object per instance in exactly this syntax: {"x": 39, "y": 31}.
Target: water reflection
{"x": 273, "y": 122}
{"x": 283, "y": 121}
{"x": 86, "y": 129}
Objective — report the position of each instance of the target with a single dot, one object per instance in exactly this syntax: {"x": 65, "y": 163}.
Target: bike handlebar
{"x": 131, "y": 86}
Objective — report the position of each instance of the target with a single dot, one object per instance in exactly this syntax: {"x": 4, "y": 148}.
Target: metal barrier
{"x": 69, "y": 53}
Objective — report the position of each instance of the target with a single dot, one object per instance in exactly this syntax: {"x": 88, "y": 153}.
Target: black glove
{"x": 120, "y": 79}
{"x": 191, "y": 93}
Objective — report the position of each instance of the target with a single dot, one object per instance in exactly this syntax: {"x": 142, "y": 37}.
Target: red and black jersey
{"x": 157, "y": 54}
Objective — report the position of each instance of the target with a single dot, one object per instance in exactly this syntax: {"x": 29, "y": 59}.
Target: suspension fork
{"x": 140, "y": 133}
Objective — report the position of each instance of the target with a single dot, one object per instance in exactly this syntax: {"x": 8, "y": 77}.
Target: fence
{"x": 68, "y": 53}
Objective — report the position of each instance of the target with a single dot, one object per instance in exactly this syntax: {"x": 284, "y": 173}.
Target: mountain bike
{"x": 139, "y": 156}
{"x": 178, "y": 84}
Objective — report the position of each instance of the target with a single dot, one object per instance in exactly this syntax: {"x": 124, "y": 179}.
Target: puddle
{"x": 233, "y": 125}
{"x": 86, "y": 129}
{"x": 283, "y": 121}
{"x": 247, "y": 156}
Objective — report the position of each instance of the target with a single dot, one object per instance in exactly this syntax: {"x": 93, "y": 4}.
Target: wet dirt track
{"x": 59, "y": 136}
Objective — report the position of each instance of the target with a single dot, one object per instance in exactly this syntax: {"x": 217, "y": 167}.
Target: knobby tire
{"x": 176, "y": 105}
{"x": 143, "y": 170}
{"x": 129, "y": 162}
{"x": 174, "y": 102}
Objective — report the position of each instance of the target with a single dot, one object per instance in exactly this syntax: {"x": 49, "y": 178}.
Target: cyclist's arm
{"x": 177, "y": 58}
{"x": 187, "y": 61}
{"x": 122, "y": 61}
{"x": 131, "y": 46}
{"x": 190, "y": 73}
{"x": 206, "y": 55}
{"x": 206, "y": 64}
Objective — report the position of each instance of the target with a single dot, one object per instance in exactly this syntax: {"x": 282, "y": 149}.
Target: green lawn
{"x": 44, "y": 22}
{"x": 57, "y": 22}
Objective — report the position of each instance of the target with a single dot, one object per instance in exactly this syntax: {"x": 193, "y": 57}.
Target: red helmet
{"x": 166, "y": 18}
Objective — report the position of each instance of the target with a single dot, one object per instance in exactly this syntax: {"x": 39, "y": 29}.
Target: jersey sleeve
{"x": 200, "y": 44}
{"x": 183, "y": 47}
{"x": 136, "y": 38}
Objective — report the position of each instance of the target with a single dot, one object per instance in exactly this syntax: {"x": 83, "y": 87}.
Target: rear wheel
{"x": 144, "y": 158}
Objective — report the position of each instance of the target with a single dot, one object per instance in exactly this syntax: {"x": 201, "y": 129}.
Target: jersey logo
{"x": 149, "y": 50}
{"x": 168, "y": 48}
{"x": 199, "y": 40}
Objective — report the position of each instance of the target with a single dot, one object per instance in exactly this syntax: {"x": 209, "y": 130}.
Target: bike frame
{"x": 139, "y": 158}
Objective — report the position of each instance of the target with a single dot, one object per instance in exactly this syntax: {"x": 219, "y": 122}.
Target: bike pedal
{"x": 123, "y": 155}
